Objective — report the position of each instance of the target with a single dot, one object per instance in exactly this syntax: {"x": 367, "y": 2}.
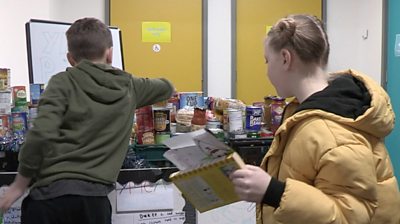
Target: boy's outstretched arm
{"x": 15, "y": 191}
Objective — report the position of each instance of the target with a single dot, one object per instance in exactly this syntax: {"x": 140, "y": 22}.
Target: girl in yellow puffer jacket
{"x": 328, "y": 162}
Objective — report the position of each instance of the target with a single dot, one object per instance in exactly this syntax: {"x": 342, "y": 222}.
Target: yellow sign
{"x": 157, "y": 32}
{"x": 267, "y": 29}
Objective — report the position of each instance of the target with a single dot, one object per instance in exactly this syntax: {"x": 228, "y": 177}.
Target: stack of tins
{"x": 162, "y": 124}
{"x": 36, "y": 91}
{"x": 144, "y": 125}
{"x": 19, "y": 112}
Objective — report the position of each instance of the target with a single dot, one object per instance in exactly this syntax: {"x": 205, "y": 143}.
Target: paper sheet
{"x": 146, "y": 196}
{"x": 194, "y": 149}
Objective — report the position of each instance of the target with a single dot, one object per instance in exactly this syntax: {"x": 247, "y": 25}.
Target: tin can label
{"x": 4, "y": 79}
{"x": 235, "y": 120}
{"x": 276, "y": 115}
{"x": 36, "y": 91}
{"x": 19, "y": 96}
{"x": 144, "y": 119}
{"x": 19, "y": 123}
{"x": 162, "y": 120}
{"x": 4, "y": 124}
{"x": 253, "y": 118}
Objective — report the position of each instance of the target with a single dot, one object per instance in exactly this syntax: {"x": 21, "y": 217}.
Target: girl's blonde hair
{"x": 303, "y": 34}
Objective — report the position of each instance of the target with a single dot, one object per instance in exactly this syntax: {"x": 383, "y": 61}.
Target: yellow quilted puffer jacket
{"x": 336, "y": 169}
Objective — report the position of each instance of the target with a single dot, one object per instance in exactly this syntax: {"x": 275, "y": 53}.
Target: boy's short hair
{"x": 88, "y": 38}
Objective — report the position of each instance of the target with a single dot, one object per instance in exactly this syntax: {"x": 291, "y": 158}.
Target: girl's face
{"x": 276, "y": 69}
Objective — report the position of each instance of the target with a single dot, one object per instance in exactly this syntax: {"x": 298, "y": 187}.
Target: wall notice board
{"x": 47, "y": 49}
{"x": 162, "y": 39}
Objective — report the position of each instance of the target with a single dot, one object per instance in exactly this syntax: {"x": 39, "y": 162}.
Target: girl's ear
{"x": 286, "y": 58}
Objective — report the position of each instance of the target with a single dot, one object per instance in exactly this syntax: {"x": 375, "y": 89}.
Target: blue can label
{"x": 191, "y": 99}
{"x": 253, "y": 118}
{"x": 19, "y": 123}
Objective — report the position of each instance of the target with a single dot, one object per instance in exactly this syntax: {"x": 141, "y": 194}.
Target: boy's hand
{"x": 251, "y": 183}
{"x": 15, "y": 191}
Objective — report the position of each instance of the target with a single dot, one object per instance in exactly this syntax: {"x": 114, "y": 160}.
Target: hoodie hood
{"x": 102, "y": 83}
{"x": 354, "y": 100}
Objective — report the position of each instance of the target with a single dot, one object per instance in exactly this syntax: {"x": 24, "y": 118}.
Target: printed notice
{"x": 156, "y": 32}
{"x": 397, "y": 46}
{"x": 267, "y": 28}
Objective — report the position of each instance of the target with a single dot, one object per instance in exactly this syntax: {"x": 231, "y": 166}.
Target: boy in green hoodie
{"x": 80, "y": 138}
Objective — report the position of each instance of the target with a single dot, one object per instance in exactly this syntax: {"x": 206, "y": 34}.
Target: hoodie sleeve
{"x": 45, "y": 130}
{"x": 149, "y": 91}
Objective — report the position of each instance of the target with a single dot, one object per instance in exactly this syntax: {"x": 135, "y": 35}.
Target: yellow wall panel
{"x": 179, "y": 60}
{"x": 253, "y": 16}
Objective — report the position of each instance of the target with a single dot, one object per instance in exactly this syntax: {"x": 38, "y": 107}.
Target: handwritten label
{"x": 146, "y": 196}
{"x": 172, "y": 217}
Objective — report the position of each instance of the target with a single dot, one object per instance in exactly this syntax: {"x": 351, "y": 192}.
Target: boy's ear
{"x": 71, "y": 59}
{"x": 109, "y": 55}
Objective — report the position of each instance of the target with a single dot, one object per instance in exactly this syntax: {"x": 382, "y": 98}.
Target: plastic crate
{"x": 149, "y": 155}
{"x": 252, "y": 150}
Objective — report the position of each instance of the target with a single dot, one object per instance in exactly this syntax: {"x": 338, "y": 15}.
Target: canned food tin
{"x": 4, "y": 124}
{"x": 253, "y": 118}
{"x": 162, "y": 119}
{"x": 4, "y": 79}
{"x": 160, "y": 137}
{"x": 19, "y": 123}
{"x": 235, "y": 120}
{"x": 19, "y": 96}
{"x": 277, "y": 108}
{"x": 36, "y": 91}
{"x": 213, "y": 124}
{"x": 144, "y": 119}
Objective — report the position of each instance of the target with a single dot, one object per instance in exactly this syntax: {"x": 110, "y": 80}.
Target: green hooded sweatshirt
{"x": 84, "y": 122}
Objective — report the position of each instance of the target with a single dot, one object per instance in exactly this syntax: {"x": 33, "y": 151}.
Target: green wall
{"x": 393, "y": 84}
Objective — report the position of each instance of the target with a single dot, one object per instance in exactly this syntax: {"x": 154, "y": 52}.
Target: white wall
{"x": 219, "y": 48}
{"x": 15, "y": 13}
{"x": 347, "y": 22}
{"x": 71, "y": 10}
{"x": 13, "y": 16}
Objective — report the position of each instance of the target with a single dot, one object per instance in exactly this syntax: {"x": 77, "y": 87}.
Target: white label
{"x": 397, "y": 46}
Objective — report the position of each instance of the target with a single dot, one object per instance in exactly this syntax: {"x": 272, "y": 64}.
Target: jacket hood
{"x": 354, "y": 100}
{"x": 102, "y": 83}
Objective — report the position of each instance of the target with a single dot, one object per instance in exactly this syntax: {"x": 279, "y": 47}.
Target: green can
{"x": 160, "y": 137}
{"x": 218, "y": 133}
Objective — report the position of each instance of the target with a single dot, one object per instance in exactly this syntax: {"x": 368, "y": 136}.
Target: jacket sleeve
{"x": 344, "y": 190}
{"x": 46, "y": 127}
{"x": 149, "y": 91}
